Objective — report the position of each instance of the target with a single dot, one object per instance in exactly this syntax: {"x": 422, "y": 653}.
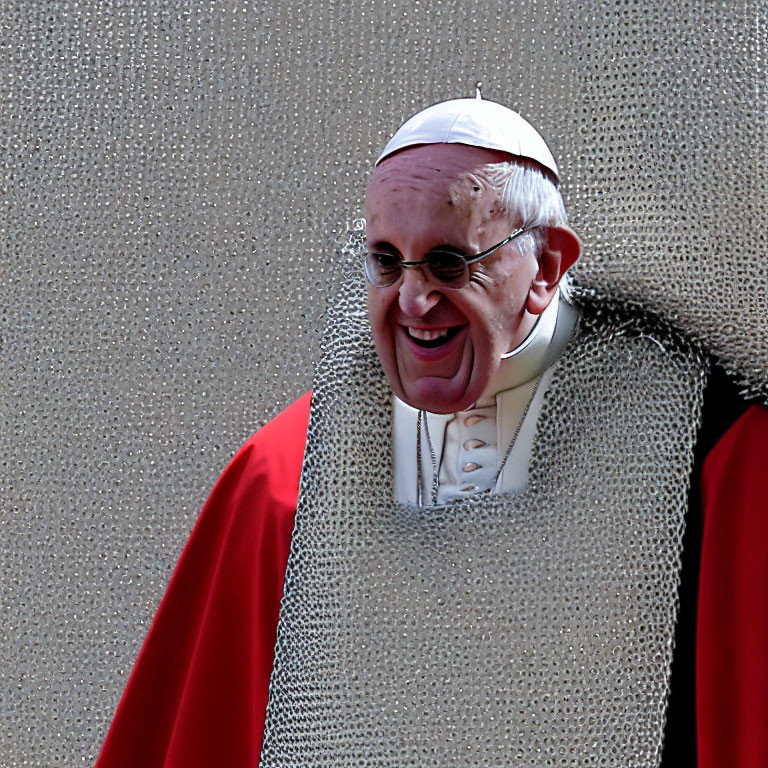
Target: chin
{"x": 440, "y": 396}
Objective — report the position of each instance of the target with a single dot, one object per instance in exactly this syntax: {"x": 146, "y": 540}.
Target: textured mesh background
{"x": 532, "y": 628}
{"x": 173, "y": 176}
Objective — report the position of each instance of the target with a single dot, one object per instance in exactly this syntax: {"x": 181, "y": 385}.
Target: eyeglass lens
{"x": 447, "y": 268}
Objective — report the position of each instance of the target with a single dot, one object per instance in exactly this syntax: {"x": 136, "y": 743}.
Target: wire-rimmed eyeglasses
{"x": 449, "y": 269}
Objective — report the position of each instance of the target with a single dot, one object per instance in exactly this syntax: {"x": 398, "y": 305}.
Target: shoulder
{"x": 743, "y": 449}
{"x": 259, "y": 489}
{"x": 734, "y": 505}
{"x": 272, "y": 457}
{"x": 289, "y": 423}
{"x": 249, "y": 514}
{"x": 752, "y": 426}
{"x": 281, "y": 441}
{"x": 732, "y": 628}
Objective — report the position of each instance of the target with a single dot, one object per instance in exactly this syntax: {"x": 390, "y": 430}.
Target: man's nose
{"x": 417, "y": 293}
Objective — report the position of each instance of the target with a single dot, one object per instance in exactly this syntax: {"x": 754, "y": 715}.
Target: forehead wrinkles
{"x": 410, "y": 187}
{"x": 475, "y": 197}
{"x": 407, "y": 176}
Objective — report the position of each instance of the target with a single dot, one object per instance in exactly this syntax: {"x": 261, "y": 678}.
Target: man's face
{"x": 440, "y": 347}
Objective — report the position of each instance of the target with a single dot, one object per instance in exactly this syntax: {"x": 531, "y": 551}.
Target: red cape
{"x": 732, "y": 633}
{"x": 198, "y": 692}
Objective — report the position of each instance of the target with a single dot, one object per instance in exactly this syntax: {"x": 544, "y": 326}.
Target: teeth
{"x": 425, "y": 334}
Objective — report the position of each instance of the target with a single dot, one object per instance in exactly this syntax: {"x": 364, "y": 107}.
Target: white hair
{"x": 527, "y": 192}
{"x": 530, "y": 197}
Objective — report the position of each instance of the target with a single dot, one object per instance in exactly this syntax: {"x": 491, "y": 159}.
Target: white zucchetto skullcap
{"x": 476, "y": 122}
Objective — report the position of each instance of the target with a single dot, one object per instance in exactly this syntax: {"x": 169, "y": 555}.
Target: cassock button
{"x": 470, "y": 445}
{"x": 470, "y": 466}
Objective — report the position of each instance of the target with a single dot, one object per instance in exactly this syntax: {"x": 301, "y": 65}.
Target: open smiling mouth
{"x": 431, "y": 338}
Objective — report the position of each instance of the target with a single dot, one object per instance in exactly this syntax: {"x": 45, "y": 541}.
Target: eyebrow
{"x": 451, "y": 248}
{"x": 385, "y": 247}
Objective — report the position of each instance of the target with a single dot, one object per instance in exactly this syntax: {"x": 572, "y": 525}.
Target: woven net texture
{"x": 175, "y": 179}
{"x": 532, "y": 628}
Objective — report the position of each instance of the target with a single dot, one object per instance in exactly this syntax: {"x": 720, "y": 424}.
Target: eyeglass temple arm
{"x": 471, "y": 259}
{"x": 479, "y": 256}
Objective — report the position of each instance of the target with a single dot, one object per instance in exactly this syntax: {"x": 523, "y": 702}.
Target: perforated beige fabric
{"x": 174, "y": 180}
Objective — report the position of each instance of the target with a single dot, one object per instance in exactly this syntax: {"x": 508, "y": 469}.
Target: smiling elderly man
{"x": 453, "y": 292}
{"x": 466, "y": 249}
{"x": 504, "y": 590}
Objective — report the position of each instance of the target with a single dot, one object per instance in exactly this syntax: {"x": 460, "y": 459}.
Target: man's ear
{"x": 559, "y": 251}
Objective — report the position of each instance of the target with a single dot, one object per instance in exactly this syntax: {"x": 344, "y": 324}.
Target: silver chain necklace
{"x": 422, "y": 419}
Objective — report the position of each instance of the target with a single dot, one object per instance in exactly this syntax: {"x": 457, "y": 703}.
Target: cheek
{"x": 379, "y": 306}
{"x": 375, "y": 307}
{"x": 496, "y": 319}
{"x": 510, "y": 290}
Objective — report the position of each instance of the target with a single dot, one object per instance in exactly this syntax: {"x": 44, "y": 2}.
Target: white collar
{"x": 526, "y": 361}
